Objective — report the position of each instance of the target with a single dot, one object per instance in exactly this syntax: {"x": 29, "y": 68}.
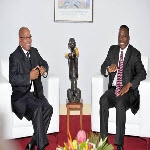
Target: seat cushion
{"x": 21, "y": 123}
{"x": 130, "y": 117}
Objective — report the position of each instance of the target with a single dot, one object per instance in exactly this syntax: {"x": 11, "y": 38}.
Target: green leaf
{"x": 61, "y": 147}
{"x": 66, "y": 146}
{"x": 82, "y": 145}
{"x": 109, "y": 147}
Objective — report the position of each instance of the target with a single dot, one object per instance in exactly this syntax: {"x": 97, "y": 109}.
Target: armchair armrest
{"x": 5, "y": 106}
{"x": 144, "y": 89}
{"x": 99, "y": 86}
{"x": 51, "y": 91}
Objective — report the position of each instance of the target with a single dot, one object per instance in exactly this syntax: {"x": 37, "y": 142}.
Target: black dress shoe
{"x": 30, "y": 147}
{"x": 119, "y": 147}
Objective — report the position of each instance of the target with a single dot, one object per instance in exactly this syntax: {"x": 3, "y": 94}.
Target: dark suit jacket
{"x": 19, "y": 78}
{"x": 133, "y": 71}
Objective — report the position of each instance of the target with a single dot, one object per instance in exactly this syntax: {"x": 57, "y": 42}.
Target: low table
{"x": 74, "y": 106}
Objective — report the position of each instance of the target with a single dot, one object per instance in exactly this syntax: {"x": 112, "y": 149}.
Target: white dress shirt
{"x": 25, "y": 52}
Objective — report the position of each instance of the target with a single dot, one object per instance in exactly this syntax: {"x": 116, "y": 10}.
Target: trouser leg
{"x": 120, "y": 121}
{"x": 107, "y": 101}
{"x": 40, "y": 112}
{"x": 104, "y": 113}
{"x": 47, "y": 114}
{"x": 41, "y": 120}
{"x": 39, "y": 129}
{"x": 122, "y": 105}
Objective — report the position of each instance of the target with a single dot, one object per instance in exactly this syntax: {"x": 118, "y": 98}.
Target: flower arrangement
{"x": 83, "y": 142}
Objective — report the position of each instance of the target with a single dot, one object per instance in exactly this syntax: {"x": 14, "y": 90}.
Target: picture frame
{"x": 73, "y": 11}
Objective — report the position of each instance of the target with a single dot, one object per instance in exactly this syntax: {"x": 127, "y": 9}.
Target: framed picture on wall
{"x": 73, "y": 11}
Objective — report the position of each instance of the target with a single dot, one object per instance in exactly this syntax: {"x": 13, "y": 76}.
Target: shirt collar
{"x": 24, "y": 50}
{"x": 124, "y": 50}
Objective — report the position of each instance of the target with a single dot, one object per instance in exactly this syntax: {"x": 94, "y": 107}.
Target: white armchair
{"x": 14, "y": 127}
{"x": 136, "y": 125}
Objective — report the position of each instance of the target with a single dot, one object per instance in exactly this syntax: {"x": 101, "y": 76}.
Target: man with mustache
{"x": 26, "y": 67}
{"x": 125, "y": 70}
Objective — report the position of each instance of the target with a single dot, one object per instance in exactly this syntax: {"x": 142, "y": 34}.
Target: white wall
{"x": 93, "y": 39}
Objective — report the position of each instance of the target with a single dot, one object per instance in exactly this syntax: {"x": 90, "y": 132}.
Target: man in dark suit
{"x": 125, "y": 70}
{"x": 26, "y": 67}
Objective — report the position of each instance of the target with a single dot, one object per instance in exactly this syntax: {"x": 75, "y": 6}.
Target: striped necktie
{"x": 119, "y": 75}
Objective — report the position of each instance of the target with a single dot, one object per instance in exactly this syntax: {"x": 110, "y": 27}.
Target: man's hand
{"x": 125, "y": 89}
{"x": 42, "y": 70}
{"x": 112, "y": 68}
{"x": 34, "y": 73}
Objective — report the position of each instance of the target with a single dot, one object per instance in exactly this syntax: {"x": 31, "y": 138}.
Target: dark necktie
{"x": 29, "y": 59}
{"x": 119, "y": 75}
{"x": 28, "y": 55}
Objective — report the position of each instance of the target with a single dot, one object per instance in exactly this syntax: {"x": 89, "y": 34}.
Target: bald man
{"x": 26, "y": 67}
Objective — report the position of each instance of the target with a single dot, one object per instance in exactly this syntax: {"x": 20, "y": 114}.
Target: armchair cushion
{"x": 131, "y": 119}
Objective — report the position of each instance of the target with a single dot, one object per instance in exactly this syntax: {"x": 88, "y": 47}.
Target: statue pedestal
{"x": 74, "y": 106}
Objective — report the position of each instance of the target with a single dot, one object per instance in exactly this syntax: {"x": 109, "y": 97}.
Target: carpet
{"x": 55, "y": 139}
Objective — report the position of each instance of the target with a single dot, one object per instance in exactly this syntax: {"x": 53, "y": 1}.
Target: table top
{"x": 78, "y": 103}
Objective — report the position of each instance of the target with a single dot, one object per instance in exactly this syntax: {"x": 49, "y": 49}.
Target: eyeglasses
{"x": 26, "y": 37}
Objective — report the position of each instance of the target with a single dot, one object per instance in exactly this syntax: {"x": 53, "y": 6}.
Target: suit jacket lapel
{"x": 126, "y": 59}
{"x": 32, "y": 58}
{"x": 127, "y": 56}
{"x": 116, "y": 56}
{"x": 115, "y": 60}
{"x": 23, "y": 57}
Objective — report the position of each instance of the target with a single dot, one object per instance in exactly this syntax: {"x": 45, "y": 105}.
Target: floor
{"x": 55, "y": 139}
